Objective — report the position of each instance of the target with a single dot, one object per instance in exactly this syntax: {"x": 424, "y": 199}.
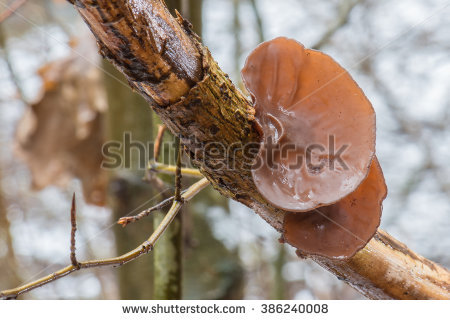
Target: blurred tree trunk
{"x": 129, "y": 113}
{"x": 279, "y": 284}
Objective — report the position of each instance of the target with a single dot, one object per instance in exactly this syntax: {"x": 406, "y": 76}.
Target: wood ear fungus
{"x": 318, "y": 143}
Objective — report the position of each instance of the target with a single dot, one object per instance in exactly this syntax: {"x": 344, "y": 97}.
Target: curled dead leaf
{"x": 61, "y": 135}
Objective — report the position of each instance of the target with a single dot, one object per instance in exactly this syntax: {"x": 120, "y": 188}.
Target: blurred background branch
{"x": 344, "y": 10}
{"x": 8, "y": 10}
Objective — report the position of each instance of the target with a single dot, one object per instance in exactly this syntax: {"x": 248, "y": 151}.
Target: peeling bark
{"x": 164, "y": 61}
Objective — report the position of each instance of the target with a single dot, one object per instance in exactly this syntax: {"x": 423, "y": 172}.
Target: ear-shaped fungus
{"x": 316, "y": 157}
{"x": 308, "y": 109}
{"x": 341, "y": 229}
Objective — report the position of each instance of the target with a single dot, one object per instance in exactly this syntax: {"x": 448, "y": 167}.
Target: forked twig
{"x": 144, "y": 247}
{"x": 179, "y": 195}
{"x": 186, "y": 195}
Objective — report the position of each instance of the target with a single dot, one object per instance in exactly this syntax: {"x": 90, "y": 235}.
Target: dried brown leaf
{"x": 61, "y": 135}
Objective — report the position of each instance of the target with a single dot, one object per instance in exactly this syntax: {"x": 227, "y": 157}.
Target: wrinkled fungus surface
{"x": 341, "y": 229}
{"x": 318, "y": 127}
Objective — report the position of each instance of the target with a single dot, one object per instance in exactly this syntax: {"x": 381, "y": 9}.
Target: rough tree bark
{"x": 164, "y": 61}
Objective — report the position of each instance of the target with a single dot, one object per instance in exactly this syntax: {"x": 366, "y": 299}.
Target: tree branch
{"x": 164, "y": 62}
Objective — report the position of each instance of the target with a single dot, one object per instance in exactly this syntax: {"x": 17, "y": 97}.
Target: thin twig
{"x": 73, "y": 222}
{"x": 157, "y": 149}
{"x": 13, "y": 7}
{"x": 169, "y": 169}
{"x": 143, "y": 248}
{"x": 186, "y": 195}
{"x": 124, "y": 221}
